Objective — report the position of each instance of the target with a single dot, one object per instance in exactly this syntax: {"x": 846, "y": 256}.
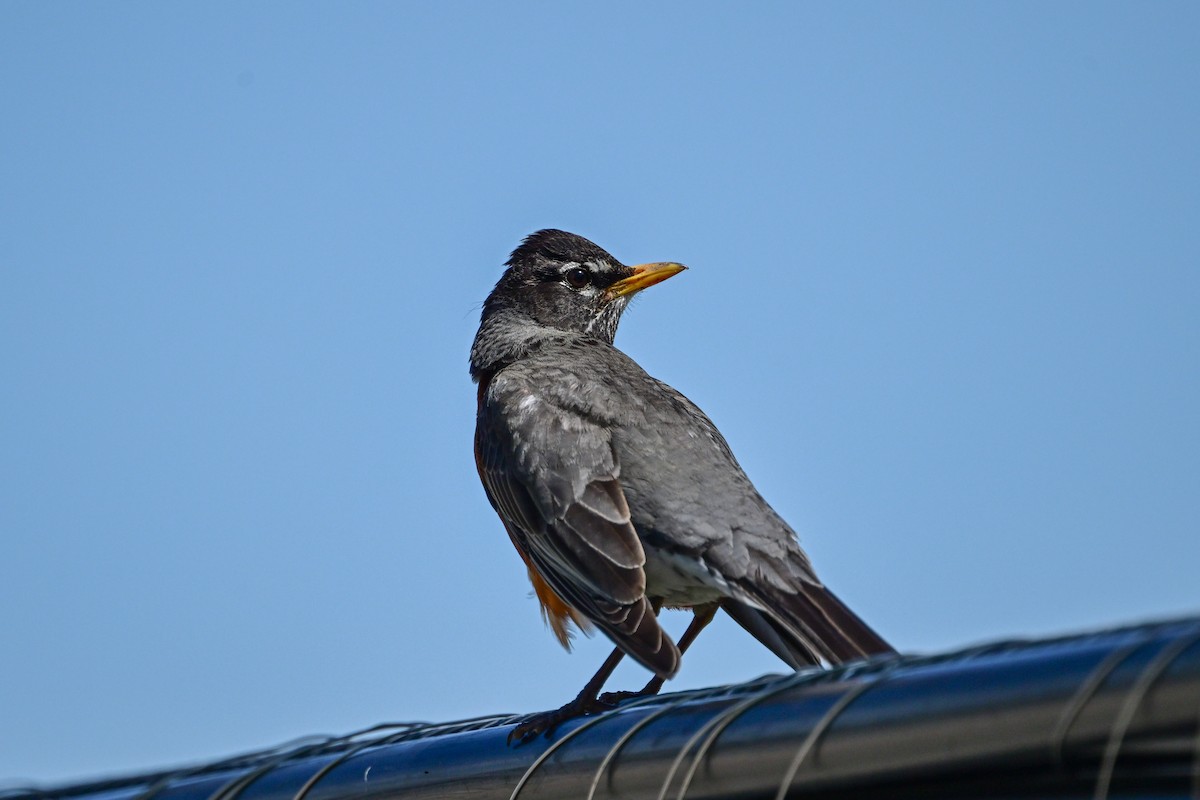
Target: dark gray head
{"x": 557, "y": 282}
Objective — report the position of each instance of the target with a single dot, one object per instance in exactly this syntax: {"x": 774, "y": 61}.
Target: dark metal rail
{"x": 1112, "y": 714}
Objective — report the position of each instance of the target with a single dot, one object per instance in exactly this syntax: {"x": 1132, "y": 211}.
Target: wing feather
{"x": 553, "y": 478}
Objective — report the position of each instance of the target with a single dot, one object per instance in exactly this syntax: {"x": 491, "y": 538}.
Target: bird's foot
{"x": 544, "y": 724}
{"x": 614, "y": 699}
{"x": 649, "y": 690}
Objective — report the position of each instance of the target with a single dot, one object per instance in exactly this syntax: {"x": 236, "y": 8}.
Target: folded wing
{"x": 554, "y": 479}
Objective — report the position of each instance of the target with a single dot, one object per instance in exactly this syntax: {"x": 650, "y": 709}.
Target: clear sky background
{"x": 944, "y": 302}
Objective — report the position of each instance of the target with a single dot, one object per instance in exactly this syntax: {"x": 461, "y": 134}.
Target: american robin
{"x": 620, "y": 495}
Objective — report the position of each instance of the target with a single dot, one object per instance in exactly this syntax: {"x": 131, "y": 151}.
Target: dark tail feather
{"x": 793, "y": 652}
{"x": 814, "y": 621}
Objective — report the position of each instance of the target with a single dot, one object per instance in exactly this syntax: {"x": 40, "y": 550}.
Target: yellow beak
{"x": 644, "y": 275}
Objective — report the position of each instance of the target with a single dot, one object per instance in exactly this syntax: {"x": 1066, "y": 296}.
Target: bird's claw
{"x": 544, "y": 724}
{"x": 614, "y": 699}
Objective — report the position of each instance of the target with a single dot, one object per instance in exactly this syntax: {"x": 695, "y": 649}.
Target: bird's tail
{"x": 809, "y": 626}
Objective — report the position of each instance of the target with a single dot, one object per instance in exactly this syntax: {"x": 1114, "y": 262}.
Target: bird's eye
{"x": 577, "y": 277}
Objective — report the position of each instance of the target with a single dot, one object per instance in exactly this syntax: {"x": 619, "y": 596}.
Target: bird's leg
{"x": 585, "y": 703}
{"x": 702, "y": 616}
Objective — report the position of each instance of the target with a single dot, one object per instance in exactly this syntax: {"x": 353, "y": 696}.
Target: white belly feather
{"x": 682, "y": 580}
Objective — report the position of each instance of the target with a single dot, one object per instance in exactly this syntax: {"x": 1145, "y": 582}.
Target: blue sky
{"x": 945, "y": 275}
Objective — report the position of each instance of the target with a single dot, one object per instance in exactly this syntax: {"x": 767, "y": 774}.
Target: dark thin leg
{"x": 703, "y": 616}
{"x": 593, "y": 687}
{"x": 586, "y": 702}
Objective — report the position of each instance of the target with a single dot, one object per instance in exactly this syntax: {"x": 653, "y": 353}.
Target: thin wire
{"x": 310, "y": 746}
{"x": 805, "y": 678}
{"x": 702, "y": 731}
{"x": 642, "y": 723}
{"x": 1085, "y": 693}
{"x": 595, "y": 720}
{"x": 814, "y": 736}
{"x": 1137, "y": 693}
{"x": 148, "y": 786}
{"x": 233, "y": 762}
{"x": 712, "y": 729}
{"x": 234, "y": 787}
{"x": 399, "y": 736}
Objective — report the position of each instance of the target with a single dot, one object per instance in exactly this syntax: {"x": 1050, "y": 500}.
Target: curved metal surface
{"x": 1105, "y": 715}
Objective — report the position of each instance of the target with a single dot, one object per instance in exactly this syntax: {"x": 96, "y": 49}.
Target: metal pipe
{"x": 1111, "y": 714}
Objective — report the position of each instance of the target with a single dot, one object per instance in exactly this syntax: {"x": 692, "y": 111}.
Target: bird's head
{"x": 558, "y": 281}
{"x": 566, "y": 282}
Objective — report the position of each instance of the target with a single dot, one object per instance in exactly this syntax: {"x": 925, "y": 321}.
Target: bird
{"x": 619, "y": 493}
